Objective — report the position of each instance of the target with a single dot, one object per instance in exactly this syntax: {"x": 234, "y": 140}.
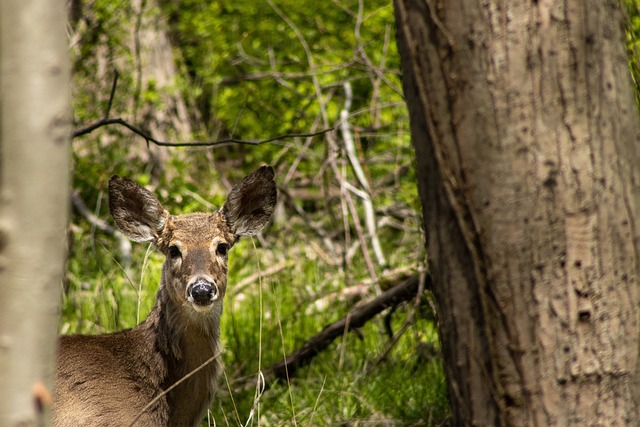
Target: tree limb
{"x": 123, "y": 242}
{"x": 356, "y": 318}
{"x": 118, "y": 121}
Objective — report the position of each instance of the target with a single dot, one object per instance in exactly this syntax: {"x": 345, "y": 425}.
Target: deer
{"x": 164, "y": 371}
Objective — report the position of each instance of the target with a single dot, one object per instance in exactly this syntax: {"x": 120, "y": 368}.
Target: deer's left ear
{"x": 251, "y": 202}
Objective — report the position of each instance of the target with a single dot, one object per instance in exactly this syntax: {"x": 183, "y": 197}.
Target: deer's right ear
{"x": 136, "y": 211}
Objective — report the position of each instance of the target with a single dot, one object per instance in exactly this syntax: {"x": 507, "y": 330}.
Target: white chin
{"x": 202, "y": 308}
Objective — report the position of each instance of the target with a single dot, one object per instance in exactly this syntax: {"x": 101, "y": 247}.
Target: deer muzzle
{"x": 202, "y": 292}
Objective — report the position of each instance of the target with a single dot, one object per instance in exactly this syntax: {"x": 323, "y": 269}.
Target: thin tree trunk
{"x": 526, "y": 135}
{"x": 34, "y": 195}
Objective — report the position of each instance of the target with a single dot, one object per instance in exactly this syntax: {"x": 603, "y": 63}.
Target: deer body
{"x": 129, "y": 377}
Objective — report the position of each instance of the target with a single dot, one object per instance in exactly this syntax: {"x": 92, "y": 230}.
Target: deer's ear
{"x": 251, "y": 202}
{"x": 136, "y": 211}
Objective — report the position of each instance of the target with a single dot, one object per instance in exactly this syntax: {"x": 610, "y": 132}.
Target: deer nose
{"x": 202, "y": 292}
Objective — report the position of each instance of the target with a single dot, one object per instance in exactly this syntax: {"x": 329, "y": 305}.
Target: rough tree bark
{"x": 526, "y": 135}
{"x": 34, "y": 199}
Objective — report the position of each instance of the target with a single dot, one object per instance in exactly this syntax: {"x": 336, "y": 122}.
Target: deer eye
{"x": 222, "y": 249}
{"x": 174, "y": 252}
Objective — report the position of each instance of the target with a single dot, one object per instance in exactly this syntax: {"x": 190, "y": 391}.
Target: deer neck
{"x": 189, "y": 344}
{"x": 182, "y": 334}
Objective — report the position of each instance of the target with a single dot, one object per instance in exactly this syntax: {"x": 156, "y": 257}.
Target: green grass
{"x": 341, "y": 386}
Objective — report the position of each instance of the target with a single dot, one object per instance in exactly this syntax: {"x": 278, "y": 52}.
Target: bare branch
{"x": 355, "y": 293}
{"x": 137, "y": 50}
{"x": 278, "y": 76}
{"x": 288, "y": 199}
{"x": 222, "y": 142}
{"x": 379, "y": 71}
{"x": 116, "y": 74}
{"x": 349, "y": 144}
{"x": 174, "y": 385}
{"x": 239, "y": 287}
{"x": 124, "y": 243}
{"x": 408, "y": 321}
{"x": 356, "y": 318}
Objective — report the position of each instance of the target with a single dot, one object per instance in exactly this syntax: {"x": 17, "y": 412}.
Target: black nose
{"x": 203, "y": 292}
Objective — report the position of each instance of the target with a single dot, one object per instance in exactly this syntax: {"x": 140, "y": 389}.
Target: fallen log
{"x": 356, "y": 318}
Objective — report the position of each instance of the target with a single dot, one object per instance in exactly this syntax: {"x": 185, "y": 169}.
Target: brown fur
{"x": 108, "y": 380}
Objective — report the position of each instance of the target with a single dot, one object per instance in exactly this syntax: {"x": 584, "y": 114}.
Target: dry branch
{"x": 106, "y": 121}
{"x": 356, "y": 318}
{"x": 222, "y": 142}
{"x": 239, "y": 287}
{"x": 357, "y": 292}
{"x": 124, "y": 244}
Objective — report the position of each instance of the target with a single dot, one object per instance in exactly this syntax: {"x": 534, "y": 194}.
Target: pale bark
{"x": 34, "y": 193}
{"x": 526, "y": 135}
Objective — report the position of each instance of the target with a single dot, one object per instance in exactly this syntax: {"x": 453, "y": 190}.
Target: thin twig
{"x": 289, "y": 201}
{"x": 116, "y": 75}
{"x": 408, "y": 321}
{"x": 228, "y": 141}
{"x": 354, "y": 293}
{"x": 240, "y": 286}
{"x": 303, "y": 151}
{"x": 177, "y": 383}
{"x": 349, "y": 144}
{"x": 138, "y": 58}
{"x": 360, "y": 233}
{"x": 94, "y": 220}
{"x": 379, "y": 71}
{"x": 124, "y": 244}
{"x": 278, "y": 76}
{"x": 310, "y": 61}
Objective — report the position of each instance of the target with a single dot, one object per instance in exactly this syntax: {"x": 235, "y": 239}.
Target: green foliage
{"x": 254, "y": 70}
{"x": 633, "y": 43}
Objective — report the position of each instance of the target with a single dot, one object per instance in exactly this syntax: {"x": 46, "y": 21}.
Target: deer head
{"x": 195, "y": 245}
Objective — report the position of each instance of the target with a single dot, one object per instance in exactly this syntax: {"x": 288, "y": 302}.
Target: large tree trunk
{"x": 34, "y": 194}
{"x": 526, "y": 135}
